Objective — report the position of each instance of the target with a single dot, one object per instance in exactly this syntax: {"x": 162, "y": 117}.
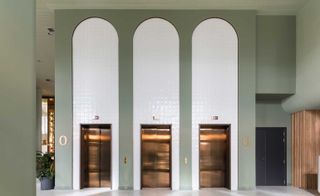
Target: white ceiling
{"x": 44, "y": 48}
{"x": 45, "y": 19}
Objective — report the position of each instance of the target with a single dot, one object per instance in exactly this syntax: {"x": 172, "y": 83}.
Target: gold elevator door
{"x": 156, "y": 156}
{"x": 95, "y": 156}
{"x": 214, "y": 156}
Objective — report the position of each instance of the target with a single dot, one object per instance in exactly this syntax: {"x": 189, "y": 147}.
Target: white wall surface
{"x": 156, "y": 86}
{"x": 215, "y": 87}
{"x": 95, "y": 86}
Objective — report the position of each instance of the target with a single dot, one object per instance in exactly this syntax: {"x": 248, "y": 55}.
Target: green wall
{"x": 276, "y": 72}
{"x": 63, "y": 105}
{"x": 39, "y": 119}
{"x": 271, "y": 114}
{"x": 17, "y": 98}
{"x": 125, "y": 22}
{"x": 308, "y": 60}
{"x": 276, "y": 53}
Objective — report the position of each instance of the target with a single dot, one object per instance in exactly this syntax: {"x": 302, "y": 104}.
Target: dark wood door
{"x": 271, "y": 169}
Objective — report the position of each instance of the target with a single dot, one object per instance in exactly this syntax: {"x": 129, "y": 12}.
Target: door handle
{"x": 125, "y": 160}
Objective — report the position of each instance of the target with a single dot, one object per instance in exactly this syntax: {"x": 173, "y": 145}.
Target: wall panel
{"x": 305, "y": 148}
{"x": 17, "y": 98}
{"x": 276, "y": 73}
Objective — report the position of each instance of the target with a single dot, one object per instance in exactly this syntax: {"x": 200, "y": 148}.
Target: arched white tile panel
{"x": 214, "y": 87}
{"x": 156, "y": 86}
{"x": 95, "y": 86}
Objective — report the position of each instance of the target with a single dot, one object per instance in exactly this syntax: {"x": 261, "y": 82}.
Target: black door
{"x": 271, "y": 167}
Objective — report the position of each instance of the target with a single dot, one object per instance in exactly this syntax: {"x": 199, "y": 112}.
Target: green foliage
{"x": 45, "y": 165}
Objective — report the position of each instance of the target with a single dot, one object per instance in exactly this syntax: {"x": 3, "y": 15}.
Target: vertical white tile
{"x": 95, "y": 86}
{"x": 156, "y": 86}
{"x": 215, "y": 87}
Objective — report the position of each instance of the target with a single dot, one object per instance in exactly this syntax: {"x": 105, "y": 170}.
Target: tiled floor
{"x": 260, "y": 191}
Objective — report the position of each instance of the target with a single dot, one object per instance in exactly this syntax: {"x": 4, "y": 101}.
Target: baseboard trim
{"x": 125, "y": 188}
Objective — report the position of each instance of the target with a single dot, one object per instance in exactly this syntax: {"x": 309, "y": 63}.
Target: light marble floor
{"x": 260, "y": 191}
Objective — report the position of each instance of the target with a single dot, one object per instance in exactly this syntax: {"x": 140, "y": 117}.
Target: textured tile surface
{"x": 214, "y": 86}
{"x": 156, "y": 86}
{"x": 95, "y": 86}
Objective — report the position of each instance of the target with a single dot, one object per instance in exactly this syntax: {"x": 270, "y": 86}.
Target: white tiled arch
{"x": 156, "y": 86}
{"x": 95, "y": 86}
{"x": 215, "y": 87}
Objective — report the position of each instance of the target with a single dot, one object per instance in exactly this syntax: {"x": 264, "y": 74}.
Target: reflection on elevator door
{"x": 156, "y": 156}
{"x": 95, "y": 156}
{"x": 214, "y": 156}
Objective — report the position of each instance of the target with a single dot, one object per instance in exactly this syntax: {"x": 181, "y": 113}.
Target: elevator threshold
{"x": 97, "y": 188}
{"x": 215, "y": 188}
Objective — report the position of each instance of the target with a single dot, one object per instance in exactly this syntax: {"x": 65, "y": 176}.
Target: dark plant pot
{"x": 47, "y": 183}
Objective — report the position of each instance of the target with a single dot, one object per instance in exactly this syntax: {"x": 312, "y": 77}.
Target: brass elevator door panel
{"x": 95, "y": 156}
{"x": 214, "y": 156}
{"x": 156, "y": 156}
{"x": 105, "y": 162}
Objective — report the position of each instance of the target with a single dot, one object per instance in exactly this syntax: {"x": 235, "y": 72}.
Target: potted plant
{"x": 45, "y": 170}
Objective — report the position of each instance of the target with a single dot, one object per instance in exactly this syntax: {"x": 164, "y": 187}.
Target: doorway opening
{"x": 271, "y": 153}
{"x": 95, "y": 156}
{"x": 214, "y": 159}
{"x": 156, "y": 156}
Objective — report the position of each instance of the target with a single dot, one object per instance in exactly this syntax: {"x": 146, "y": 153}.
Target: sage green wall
{"x": 17, "y": 98}
{"x": 125, "y": 22}
{"x": 276, "y": 72}
{"x": 63, "y": 104}
{"x": 308, "y": 60}
{"x": 271, "y": 114}
{"x": 39, "y": 118}
{"x": 276, "y": 54}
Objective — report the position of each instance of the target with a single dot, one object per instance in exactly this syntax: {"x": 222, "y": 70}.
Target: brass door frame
{"x": 170, "y": 157}
{"x": 81, "y": 165}
{"x": 228, "y": 129}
